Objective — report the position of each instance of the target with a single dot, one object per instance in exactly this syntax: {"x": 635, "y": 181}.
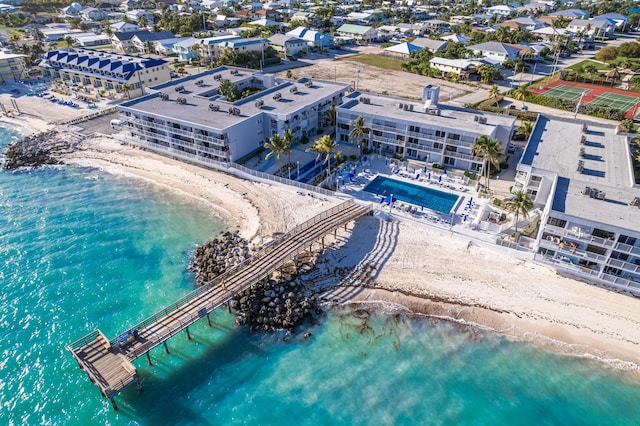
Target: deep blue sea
{"x": 81, "y": 249}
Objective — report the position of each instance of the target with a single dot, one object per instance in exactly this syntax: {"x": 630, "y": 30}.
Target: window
{"x": 440, "y": 134}
{"x": 554, "y": 221}
{"x": 414, "y": 129}
{"x": 602, "y": 233}
{"x": 450, "y": 161}
{"x": 437, "y": 145}
{"x": 624, "y": 239}
{"x": 377, "y": 133}
{"x": 454, "y": 137}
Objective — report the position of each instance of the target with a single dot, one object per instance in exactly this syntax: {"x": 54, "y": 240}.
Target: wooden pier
{"x": 108, "y": 362}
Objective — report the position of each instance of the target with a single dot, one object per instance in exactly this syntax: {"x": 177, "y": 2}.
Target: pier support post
{"x": 322, "y": 243}
{"x": 188, "y": 334}
{"x": 113, "y": 403}
{"x": 335, "y": 233}
{"x": 310, "y": 251}
{"x": 295, "y": 263}
{"x": 209, "y": 320}
{"x": 166, "y": 348}
{"x": 149, "y": 358}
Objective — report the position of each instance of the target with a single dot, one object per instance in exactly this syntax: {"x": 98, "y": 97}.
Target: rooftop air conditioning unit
{"x": 482, "y": 120}
{"x": 277, "y": 96}
{"x": 236, "y": 111}
{"x": 406, "y": 107}
{"x": 475, "y": 118}
{"x": 217, "y": 77}
{"x": 400, "y": 106}
{"x": 214, "y": 107}
{"x": 230, "y": 110}
{"x": 259, "y": 103}
{"x": 164, "y": 96}
{"x": 179, "y": 89}
{"x": 181, "y": 101}
{"x": 309, "y": 83}
{"x": 293, "y": 89}
{"x": 410, "y": 107}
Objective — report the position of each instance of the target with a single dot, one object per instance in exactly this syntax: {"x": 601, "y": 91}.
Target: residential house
{"x": 496, "y": 52}
{"x": 500, "y": 11}
{"x": 124, "y": 27}
{"x": 91, "y": 39}
{"x": 358, "y": 32}
{"x": 571, "y": 14}
{"x": 73, "y": 10}
{"x": 430, "y": 44}
{"x": 243, "y": 45}
{"x": 142, "y": 41}
{"x": 287, "y": 46}
{"x": 402, "y": 50}
{"x": 619, "y": 19}
{"x": 456, "y": 38}
{"x": 105, "y": 70}
{"x": 462, "y": 67}
{"x": 93, "y": 14}
{"x": 525, "y": 23}
{"x": 594, "y": 28}
{"x": 313, "y": 38}
{"x": 435, "y": 26}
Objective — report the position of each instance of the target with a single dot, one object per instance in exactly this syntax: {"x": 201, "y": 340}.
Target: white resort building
{"x": 423, "y": 131}
{"x": 581, "y": 177}
{"x": 105, "y": 70}
{"x": 190, "y": 119}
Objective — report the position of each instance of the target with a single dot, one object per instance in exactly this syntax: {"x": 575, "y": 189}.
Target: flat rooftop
{"x": 279, "y": 97}
{"x": 606, "y": 165}
{"x": 449, "y": 117}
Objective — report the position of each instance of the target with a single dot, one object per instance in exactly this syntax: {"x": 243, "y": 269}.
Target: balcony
{"x": 423, "y": 147}
{"x": 626, "y": 266}
{"x": 579, "y": 235}
{"x": 626, "y": 248}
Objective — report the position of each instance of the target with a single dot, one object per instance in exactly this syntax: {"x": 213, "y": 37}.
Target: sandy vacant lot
{"x": 378, "y": 80}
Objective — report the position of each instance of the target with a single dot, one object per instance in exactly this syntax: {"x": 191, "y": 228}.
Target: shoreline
{"x": 419, "y": 268}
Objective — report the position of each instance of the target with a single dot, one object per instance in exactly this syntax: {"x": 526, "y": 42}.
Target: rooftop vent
{"x": 309, "y": 83}
{"x": 277, "y": 96}
{"x": 181, "y": 101}
{"x": 214, "y": 107}
{"x": 294, "y": 89}
{"x": 179, "y": 88}
{"x": 259, "y": 103}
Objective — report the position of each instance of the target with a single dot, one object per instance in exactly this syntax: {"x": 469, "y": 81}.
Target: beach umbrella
{"x": 429, "y": 176}
{"x": 389, "y": 199}
{"x": 440, "y": 178}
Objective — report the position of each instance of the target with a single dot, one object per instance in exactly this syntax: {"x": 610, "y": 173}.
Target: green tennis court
{"x": 562, "y": 91}
{"x": 619, "y": 102}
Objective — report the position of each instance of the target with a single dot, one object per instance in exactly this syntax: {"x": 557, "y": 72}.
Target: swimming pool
{"x": 409, "y": 193}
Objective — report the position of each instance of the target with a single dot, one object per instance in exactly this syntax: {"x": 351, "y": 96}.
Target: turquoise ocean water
{"x": 80, "y": 249}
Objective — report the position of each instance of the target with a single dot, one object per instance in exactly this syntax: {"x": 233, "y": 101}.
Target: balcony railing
{"x": 579, "y": 235}
{"x": 626, "y": 248}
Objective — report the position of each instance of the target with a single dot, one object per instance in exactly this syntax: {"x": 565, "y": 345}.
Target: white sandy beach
{"x": 426, "y": 269}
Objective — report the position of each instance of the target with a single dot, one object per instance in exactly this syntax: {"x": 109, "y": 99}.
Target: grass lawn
{"x": 580, "y": 65}
{"x": 379, "y": 61}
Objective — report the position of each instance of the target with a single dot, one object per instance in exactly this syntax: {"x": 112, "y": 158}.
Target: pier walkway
{"x": 108, "y": 362}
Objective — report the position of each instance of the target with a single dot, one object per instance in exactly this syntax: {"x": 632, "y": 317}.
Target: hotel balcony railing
{"x": 568, "y": 250}
{"x": 579, "y": 235}
{"x": 192, "y": 146}
{"x": 461, "y": 155}
{"x": 626, "y": 248}
{"x": 621, "y": 264}
{"x": 632, "y": 286}
{"x": 419, "y": 147}
{"x": 176, "y": 131}
{"x": 561, "y": 262}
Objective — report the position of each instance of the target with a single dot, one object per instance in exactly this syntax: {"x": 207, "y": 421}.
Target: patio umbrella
{"x": 429, "y": 176}
{"x": 348, "y": 176}
{"x": 389, "y": 199}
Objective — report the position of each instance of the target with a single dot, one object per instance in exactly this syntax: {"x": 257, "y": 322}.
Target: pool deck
{"x": 465, "y": 214}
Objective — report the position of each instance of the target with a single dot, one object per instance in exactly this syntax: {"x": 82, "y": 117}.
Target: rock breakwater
{"x": 218, "y": 255}
{"x": 36, "y": 150}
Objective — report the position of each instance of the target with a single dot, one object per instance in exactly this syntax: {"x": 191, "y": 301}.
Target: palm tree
{"x": 331, "y": 116}
{"x": 358, "y": 130}
{"x": 148, "y": 45}
{"x": 521, "y": 93}
{"x": 520, "y": 204}
{"x": 494, "y": 92}
{"x": 289, "y": 140}
{"x": 526, "y": 129}
{"x": 324, "y": 146}
{"x": 490, "y": 150}
{"x": 69, "y": 40}
{"x": 277, "y": 146}
{"x": 125, "y": 89}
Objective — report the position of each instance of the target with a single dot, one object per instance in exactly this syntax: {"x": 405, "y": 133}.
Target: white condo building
{"x": 423, "y": 131}
{"x": 581, "y": 177}
{"x": 190, "y": 119}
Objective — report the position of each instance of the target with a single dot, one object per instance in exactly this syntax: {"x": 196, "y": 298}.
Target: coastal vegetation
{"x": 490, "y": 150}
{"x": 324, "y": 146}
